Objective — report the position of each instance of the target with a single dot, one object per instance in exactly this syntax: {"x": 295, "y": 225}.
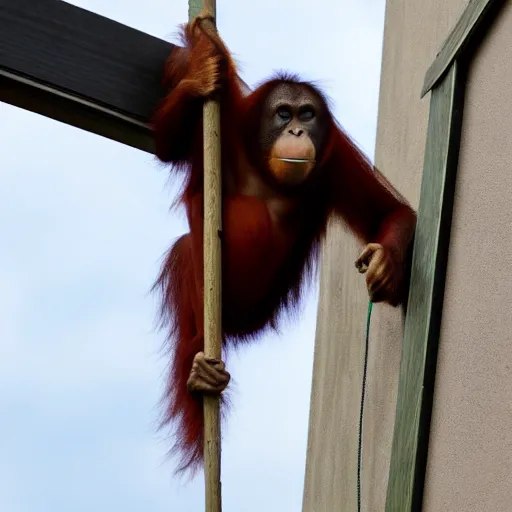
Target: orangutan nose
{"x": 296, "y": 131}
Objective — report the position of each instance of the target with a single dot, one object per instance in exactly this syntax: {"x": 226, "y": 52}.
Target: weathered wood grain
{"x": 212, "y": 278}
{"x": 477, "y": 15}
{"x": 80, "y": 68}
{"x": 194, "y": 8}
{"x": 422, "y": 324}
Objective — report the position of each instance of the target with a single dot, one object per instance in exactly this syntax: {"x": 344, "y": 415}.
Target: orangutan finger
{"x": 216, "y": 363}
{"x": 203, "y": 387}
{"x": 376, "y": 271}
{"x": 199, "y": 374}
{"x": 366, "y": 254}
{"x": 379, "y": 285}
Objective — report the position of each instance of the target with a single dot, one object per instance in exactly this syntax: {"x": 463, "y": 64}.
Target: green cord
{"x": 360, "y": 443}
{"x": 368, "y": 318}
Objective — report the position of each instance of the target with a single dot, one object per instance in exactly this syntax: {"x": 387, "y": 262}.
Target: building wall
{"x": 413, "y": 34}
{"x": 470, "y": 452}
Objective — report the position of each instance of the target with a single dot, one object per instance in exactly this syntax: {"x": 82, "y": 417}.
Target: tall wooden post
{"x": 212, "y": 281}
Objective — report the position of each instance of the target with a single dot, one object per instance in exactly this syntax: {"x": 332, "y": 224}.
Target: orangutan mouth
{"x": 297, "y": 160}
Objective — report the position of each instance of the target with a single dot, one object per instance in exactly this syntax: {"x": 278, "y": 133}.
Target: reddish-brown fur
{"x": 264, "y": 267}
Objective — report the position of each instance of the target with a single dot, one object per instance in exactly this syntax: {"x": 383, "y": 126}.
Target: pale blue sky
{"x": 84, "y": 222}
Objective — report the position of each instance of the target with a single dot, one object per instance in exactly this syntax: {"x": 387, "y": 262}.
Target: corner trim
{"x": 476, "y": 18}
{"x": 424, "y": 307}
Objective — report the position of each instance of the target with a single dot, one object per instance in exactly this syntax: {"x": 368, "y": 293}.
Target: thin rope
{"x": 363, "y": 391}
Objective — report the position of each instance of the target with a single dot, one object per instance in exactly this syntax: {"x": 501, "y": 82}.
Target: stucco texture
{"x": 470, "y": 451}
{"x": 413, "y": 34}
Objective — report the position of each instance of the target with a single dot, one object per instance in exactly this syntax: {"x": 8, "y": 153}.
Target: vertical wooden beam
{"x": 212, "y": 278}
{"x": 422, "y": 325}
{"x": 194, "y": 8}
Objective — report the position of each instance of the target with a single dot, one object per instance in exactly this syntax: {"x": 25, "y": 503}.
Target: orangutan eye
{"x": 306, "y": 114}
{"x": 284, "y": 113}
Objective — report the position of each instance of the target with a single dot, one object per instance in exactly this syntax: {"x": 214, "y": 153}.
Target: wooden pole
{"x": 212, "y": 284}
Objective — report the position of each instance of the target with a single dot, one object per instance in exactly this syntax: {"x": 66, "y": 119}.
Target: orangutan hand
{"x": 208, "y": 376}
{"x": 377, "y": 263}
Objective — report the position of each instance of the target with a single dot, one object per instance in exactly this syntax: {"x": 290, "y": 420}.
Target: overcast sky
{"x": 84, "y": 222}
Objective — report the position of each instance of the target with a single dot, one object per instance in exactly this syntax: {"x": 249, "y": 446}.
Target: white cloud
{"x": 84, "y": 222}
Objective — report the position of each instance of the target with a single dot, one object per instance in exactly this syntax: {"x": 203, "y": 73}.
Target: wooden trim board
{"x": 478, "y": 14}
{"x": 446, "y": 79}
{"x": 424, "y": 308}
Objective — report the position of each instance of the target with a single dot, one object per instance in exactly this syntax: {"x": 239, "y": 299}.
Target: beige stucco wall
{"x": 470, "y": 452}
{"x": 413, "y": 33}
